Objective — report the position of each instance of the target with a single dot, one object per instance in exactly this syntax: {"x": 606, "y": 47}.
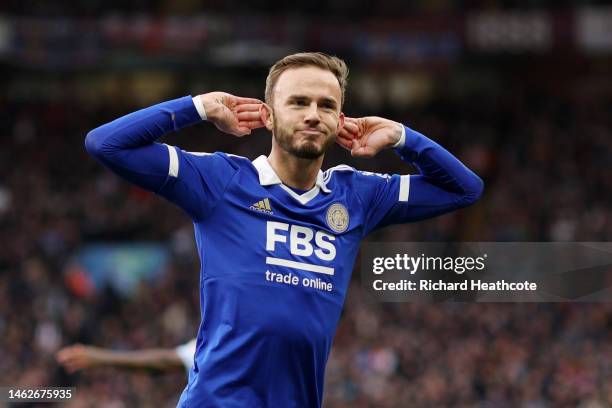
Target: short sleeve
{"x": 186, "y": 353}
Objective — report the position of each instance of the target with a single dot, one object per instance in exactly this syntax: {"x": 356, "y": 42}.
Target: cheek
{"x": 281, "y": 126}
{"x": 281, "y": 119}
{"x": 281, "y": 123}
{"x": 332, "y": 122}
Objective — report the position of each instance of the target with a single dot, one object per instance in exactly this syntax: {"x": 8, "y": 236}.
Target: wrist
{"x": 414, "y": 144}
{"x": 401, "y": 137}
{"x": 199, "y": 105}
{"x": 100, "y": 357}
{"x": 213, "y": 104}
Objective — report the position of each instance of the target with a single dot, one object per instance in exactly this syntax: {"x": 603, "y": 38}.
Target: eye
{"x": 300, "y": 102}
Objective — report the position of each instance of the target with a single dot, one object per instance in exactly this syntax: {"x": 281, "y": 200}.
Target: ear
{"x": 340, "y": 122}
{"x": 266, "y": 114}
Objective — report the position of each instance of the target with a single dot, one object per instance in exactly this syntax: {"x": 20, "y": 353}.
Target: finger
{"x": 248, "y": 116}
{"x": 351, "y": 127}
{"x": 242, "y": 131}
{"x": 349, "y": 131}
{"x": 344, "y": 146}
{"x": 63, "y": 355}
{"x": 253, "y": 124}
{"x": 346, "y": 143}
{"x": 240, "y": 100}
{"x": 347, "y": 138}
{"x": 345, "y": 133}
{"x": 248, "y": 107}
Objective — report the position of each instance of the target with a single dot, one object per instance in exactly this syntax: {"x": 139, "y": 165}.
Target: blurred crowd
{"x": 336, "y": 8}
{"x": 545, "y": 158}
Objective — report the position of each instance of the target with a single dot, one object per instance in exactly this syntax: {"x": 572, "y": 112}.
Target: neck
{"x": 294, "y": 171}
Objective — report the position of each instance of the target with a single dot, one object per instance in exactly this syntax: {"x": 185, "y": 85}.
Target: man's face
{"x": 306, "y": 103}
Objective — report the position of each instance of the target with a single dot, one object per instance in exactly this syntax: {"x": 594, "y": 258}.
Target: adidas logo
{"x": 262, "y": 206}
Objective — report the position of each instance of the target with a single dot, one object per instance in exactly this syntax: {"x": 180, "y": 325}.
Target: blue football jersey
{"x": 275, "y": 263}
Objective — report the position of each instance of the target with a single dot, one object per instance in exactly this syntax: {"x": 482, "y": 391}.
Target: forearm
{"x": 144, "y": 126}
{"x": 127, "y": 145}
{"x": 445, "y": 184}
{"x": 154, "y": 359}
{"x": 439, "y": 167}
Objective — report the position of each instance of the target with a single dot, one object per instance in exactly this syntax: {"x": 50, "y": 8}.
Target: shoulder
{"x": 344, "y": 173}
{"x": 201, "y": 158}
{"x": 363, "y": 184}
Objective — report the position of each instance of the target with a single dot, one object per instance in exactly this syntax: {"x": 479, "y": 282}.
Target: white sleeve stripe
{"x": 402, "y": 140}
{"x": 404, "y": 188}
{"x": 199, "y": 105}
{"x": 173, "y": 167}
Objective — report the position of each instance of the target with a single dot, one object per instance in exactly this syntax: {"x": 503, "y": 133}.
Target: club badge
{"x": 337, "y": 218}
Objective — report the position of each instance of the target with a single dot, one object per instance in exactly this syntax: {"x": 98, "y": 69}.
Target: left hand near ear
{"x": 367, "y": 136}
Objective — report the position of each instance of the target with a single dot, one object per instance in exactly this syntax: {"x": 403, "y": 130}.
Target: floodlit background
{"x": 522, "y": 94}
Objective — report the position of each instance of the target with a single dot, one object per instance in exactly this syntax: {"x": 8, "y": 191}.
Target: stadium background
{"x": 521, "y": 91}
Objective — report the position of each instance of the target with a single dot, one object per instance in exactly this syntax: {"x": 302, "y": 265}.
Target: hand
{"x": 78, "y": 357}
{"x": 232, "y": 114}
{"x": 367, "y": 136}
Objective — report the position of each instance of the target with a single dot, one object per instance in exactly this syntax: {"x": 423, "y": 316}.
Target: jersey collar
{"x": 268, "y": 177}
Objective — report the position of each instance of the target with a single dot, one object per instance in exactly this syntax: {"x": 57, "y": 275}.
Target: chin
{"x": 308, "y": 152}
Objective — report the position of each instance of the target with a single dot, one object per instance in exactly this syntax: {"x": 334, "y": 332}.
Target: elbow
{"x": 473, "y": 191}
{"x": 94, "y": 143}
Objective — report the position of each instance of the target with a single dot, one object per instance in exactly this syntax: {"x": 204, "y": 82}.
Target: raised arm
{"x": 128, "y": 145}
{"x": 444, "y": 183}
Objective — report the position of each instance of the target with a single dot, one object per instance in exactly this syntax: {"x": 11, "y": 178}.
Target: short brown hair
{"x": 329, "y": 63}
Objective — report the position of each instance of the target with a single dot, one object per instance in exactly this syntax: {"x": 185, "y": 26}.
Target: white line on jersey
{"x": 300, "y": 265}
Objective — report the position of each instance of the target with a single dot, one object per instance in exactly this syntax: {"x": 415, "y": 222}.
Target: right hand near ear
{"x": 232, "y": 114}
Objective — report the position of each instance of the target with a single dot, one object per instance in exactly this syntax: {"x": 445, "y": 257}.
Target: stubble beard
{"x": 308, "y": 151}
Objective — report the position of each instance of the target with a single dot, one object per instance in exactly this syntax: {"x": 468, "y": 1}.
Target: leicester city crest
{"x": 337, "y": 218}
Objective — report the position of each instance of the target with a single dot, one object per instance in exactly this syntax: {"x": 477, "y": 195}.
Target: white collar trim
{"x": 268, "y": 177}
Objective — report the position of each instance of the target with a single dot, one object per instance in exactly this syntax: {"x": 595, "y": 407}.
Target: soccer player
{"x": 80, "y": 357}
{"x": 277, "y": 237}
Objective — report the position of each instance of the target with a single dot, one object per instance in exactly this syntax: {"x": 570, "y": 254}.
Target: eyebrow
{"x": 326, "y": 100}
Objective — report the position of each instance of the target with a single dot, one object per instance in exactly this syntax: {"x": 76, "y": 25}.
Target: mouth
{"x": 310, "y": 132}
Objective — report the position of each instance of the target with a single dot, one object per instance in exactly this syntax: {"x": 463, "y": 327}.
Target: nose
{"x": 312, "y": 115}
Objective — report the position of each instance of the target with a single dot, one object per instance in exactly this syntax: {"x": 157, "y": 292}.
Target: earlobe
{"x": 266, "y": 116}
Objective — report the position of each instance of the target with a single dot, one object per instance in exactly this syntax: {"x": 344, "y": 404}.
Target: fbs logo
{"x": 262, "y": 206}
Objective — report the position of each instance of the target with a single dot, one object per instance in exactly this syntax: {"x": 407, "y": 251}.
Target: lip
{"x": 311, "y": 132}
